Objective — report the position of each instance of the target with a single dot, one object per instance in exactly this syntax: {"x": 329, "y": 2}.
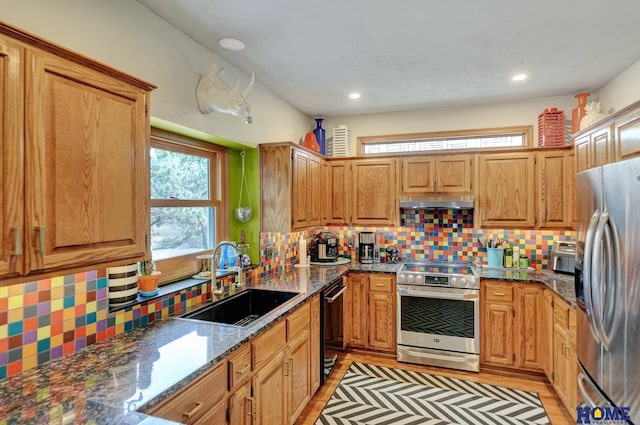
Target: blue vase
{"x": 319, "y": 132}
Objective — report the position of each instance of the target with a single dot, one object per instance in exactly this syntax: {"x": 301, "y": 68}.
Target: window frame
{"x": 179, "y": 267}
{"x": 526, "y": 131}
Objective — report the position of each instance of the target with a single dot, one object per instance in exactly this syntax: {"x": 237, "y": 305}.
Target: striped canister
{"x": 123, "y": 284}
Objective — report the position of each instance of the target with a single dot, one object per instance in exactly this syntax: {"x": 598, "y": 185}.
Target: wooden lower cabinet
{"x": 240, "y": 404}
{"x": 371, "y": 299}
{"x": 511, "y": 331}
{"x": 268, "y": 381}
{"x": 546, "y": 324}
{"x": 565, "y": 361}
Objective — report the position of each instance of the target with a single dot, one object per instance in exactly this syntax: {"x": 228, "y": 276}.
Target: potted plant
{"x": 148, "y": 276}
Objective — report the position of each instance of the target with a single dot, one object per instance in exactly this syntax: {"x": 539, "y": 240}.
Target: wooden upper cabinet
{"x": 338, "y": 186}
{"x": 603, "y": 146}
{"x": 418, "y": 175}
{"x": 555, "y": 188}
{"x": 583, "y": 153}
{"x": 74, "y": 156}
{"x": 11, "y": 162}
{"x": 291, "y": 195}
{"x": 86, "y": 154}
{"x": 506, "y": 190}
{"x": 436, "y": 174}
{"x": 374, "y": 193}
{"x": 627, "y": 134}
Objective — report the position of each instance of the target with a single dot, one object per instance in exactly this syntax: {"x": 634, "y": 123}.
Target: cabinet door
{"x": 572, "y": 190}
{"x": 314, "y": 362}
{"x": 627, "y": 131}
{"x": 529, "y": 311}
{"x": 374, "y": 199}
{"x": 269, "y": 389}
{"x": 381, "y": 321}
{"x": 299, "y": 375}
{"x": 418, "y": 175}
{"x": 546, "y": 334}
{"x": 583, "y": 153}
{"x": 275, "y": 188}
{"x": 554, "y": 189}
{"x": 603, "y": 145}
{"x": 506, "y": 190}
{"x": 325, "y": 195}
{"x": 11, "y": 163}
{"x": 300, "y": 211}
{"x": 562, "y": 366}
{"x": 357, "y": 287}
{"x": 453, "y": 174}
{"x": 498, "y": 334}
{"x": 338, "y": 183}
{"x": 314, "y": 192}
{"x": 86, "y": 165}
{"x": 241, "y": 406}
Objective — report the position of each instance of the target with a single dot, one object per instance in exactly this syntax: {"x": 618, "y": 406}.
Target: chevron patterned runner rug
{"x": 381, "y": 395}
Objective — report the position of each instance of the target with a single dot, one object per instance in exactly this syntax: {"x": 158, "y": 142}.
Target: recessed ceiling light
{"x": 354, "y": 95}
{"x": 519, "y": 77}
{"x": 231, "y": 44}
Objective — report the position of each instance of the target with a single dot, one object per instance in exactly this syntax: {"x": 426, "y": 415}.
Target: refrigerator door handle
{"x": 587, "y": 274}
{"x": 612, "y": 293}
{"x": 598, "y": 277}
{"x": 583, "y": 391}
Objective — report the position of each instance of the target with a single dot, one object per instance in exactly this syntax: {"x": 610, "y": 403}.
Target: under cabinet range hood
{"x": 437, "y": 201}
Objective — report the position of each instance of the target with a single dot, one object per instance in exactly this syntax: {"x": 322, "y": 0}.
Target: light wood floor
{"x": 552, "y": 404}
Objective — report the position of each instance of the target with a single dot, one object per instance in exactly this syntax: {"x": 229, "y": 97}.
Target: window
{"x": 187, "y": 201}
{"x": 442, "y": 141}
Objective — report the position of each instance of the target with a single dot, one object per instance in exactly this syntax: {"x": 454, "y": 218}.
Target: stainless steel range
{"x": 438, "y": 309}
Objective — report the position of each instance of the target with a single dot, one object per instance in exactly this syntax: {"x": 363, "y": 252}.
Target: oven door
{"x": 332, "y": 341}
{"x": 439, "y": 318}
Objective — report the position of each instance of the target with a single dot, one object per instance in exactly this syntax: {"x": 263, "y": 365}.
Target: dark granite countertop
{"x": 115, "y": 381}
{"x": 563, "y": 285}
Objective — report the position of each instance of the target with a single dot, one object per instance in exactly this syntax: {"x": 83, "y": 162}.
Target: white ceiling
{"x": 412, "y": 54}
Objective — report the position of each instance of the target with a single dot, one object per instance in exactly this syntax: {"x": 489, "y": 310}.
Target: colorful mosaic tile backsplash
{"x": 46, "y": 319}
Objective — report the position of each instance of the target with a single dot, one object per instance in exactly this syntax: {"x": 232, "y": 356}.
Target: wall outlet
{"x": 269, "y": 253}
{"x": 350, "y": 242}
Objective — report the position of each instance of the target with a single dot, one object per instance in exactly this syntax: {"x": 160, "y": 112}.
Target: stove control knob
{"x": 463, "y": 281}
{"x": 400, "y": 278}
{"x": 411, "y": 278}
{"x": 454, "y": 281}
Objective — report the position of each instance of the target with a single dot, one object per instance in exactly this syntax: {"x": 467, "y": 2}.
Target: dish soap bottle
{"x": 508, "y": 257}
{"x": 516, "y": 256}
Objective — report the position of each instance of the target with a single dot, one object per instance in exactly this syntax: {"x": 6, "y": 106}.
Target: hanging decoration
{"x": 244, "y": 214}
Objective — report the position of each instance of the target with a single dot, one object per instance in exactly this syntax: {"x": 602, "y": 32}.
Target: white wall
{"x": 621, "y": 91}
{"x": 452, "y": 118}
{"x": 127, "y": 36}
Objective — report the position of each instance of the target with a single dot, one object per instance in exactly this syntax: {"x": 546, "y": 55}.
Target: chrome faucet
{"x": 240, "y": 278}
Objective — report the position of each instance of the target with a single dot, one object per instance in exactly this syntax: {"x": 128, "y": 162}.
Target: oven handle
{"x": 440, "y": 294}
{"x": 336, "y": 296}
{"x": 440, "y": 356}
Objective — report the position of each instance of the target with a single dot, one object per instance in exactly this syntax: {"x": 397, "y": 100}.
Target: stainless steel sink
{"x": 243, "y": 308}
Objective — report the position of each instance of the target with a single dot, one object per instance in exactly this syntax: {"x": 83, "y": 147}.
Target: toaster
{"x": 563, "y": 257}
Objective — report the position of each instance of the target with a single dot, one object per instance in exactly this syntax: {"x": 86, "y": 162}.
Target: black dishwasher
{"x": 332, "y": 341}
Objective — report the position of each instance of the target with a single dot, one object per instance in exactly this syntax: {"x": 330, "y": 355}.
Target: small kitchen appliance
{"x": 324, "y": 248}
{"x": 563, "y": 257}
{"x": 368, "y": 249}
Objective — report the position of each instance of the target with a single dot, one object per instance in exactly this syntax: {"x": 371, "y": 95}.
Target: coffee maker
{"x": 368, "y": 248}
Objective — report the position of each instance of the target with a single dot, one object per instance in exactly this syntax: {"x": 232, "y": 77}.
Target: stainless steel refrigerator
{"x": 608, "y": 286}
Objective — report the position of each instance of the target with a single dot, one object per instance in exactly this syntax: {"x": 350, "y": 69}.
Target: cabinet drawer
{"x": 268, "y": 344}
{"x": 298, "y": 321}
{"x": 196, "y": 399}
{"x": 217, "y": 415}
{"x": 498, "y": 292}
{"x": 561, "y": 314}
{"x": 572, "y": 322}
{"x": 239, "y": 366}
{"x": 380, "y": 283}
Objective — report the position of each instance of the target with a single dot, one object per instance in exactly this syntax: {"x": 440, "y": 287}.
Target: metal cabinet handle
{"x": 286, "y": 365}
{"x": 41, "y": 238}
{"x": 291, "y": 365}
{"x": 380, "y": 284}
{"x": 196, "y": 408}
{"x": 498, "y": 294}
{"x": 17, "y": 240}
